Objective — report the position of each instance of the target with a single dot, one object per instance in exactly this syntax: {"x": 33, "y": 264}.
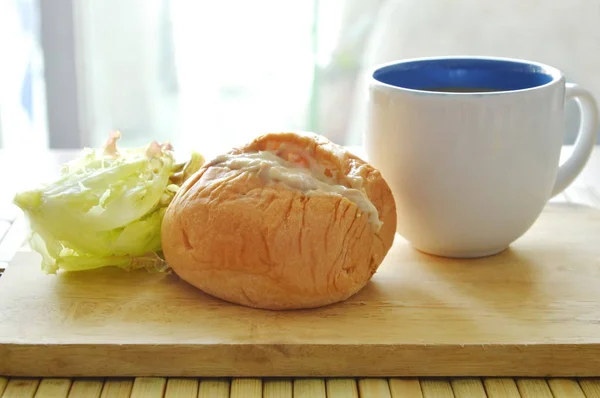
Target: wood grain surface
{"x": 533, "y": 310}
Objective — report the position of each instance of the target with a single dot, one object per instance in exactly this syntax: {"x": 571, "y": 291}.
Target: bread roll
{"x": 289, "y": 221}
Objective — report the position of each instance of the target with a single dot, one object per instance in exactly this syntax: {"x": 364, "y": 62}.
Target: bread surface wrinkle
{"x": 269, "y": 246}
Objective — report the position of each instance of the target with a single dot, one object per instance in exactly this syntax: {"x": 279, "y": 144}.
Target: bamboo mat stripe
{"x": 149, "y": 387}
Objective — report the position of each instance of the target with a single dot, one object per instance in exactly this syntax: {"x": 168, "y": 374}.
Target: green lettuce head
{"x": 106, "y": 208}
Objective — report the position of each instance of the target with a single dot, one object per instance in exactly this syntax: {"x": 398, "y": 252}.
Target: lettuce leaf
{"x": 106, "y": 208}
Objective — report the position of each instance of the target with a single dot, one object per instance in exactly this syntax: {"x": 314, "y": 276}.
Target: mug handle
{"x": 586, "y": 137}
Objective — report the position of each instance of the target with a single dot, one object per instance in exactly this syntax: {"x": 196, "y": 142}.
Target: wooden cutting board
{"x": 533, "y": 310}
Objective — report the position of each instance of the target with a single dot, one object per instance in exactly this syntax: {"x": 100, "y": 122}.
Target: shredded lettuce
{"x": 106, "y": 208}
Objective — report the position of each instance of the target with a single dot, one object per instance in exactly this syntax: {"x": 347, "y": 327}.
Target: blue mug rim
{"x": 553, "y": 73}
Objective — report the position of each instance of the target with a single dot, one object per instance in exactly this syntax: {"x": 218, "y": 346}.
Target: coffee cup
{"x": 470, "y": 147}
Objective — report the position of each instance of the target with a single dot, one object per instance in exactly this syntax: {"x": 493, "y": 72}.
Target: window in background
{"x": 22, "y": 97}
{"x": 209, "y": 75}
{"x": 205, "y": 75}
{"x": 243, "y": 67}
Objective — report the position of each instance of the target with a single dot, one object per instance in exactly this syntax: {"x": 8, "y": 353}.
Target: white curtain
{"x": 211, "y": 75}
{"x": 242, "y": 67}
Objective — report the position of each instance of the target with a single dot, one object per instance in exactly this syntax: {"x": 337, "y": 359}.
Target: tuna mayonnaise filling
{"x": 309, "y": 180}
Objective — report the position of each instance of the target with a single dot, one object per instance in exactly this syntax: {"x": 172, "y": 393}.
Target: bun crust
{"x": 266, "y": 245}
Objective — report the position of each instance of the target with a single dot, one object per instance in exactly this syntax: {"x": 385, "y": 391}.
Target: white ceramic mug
{"x": 472, "y": 169}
